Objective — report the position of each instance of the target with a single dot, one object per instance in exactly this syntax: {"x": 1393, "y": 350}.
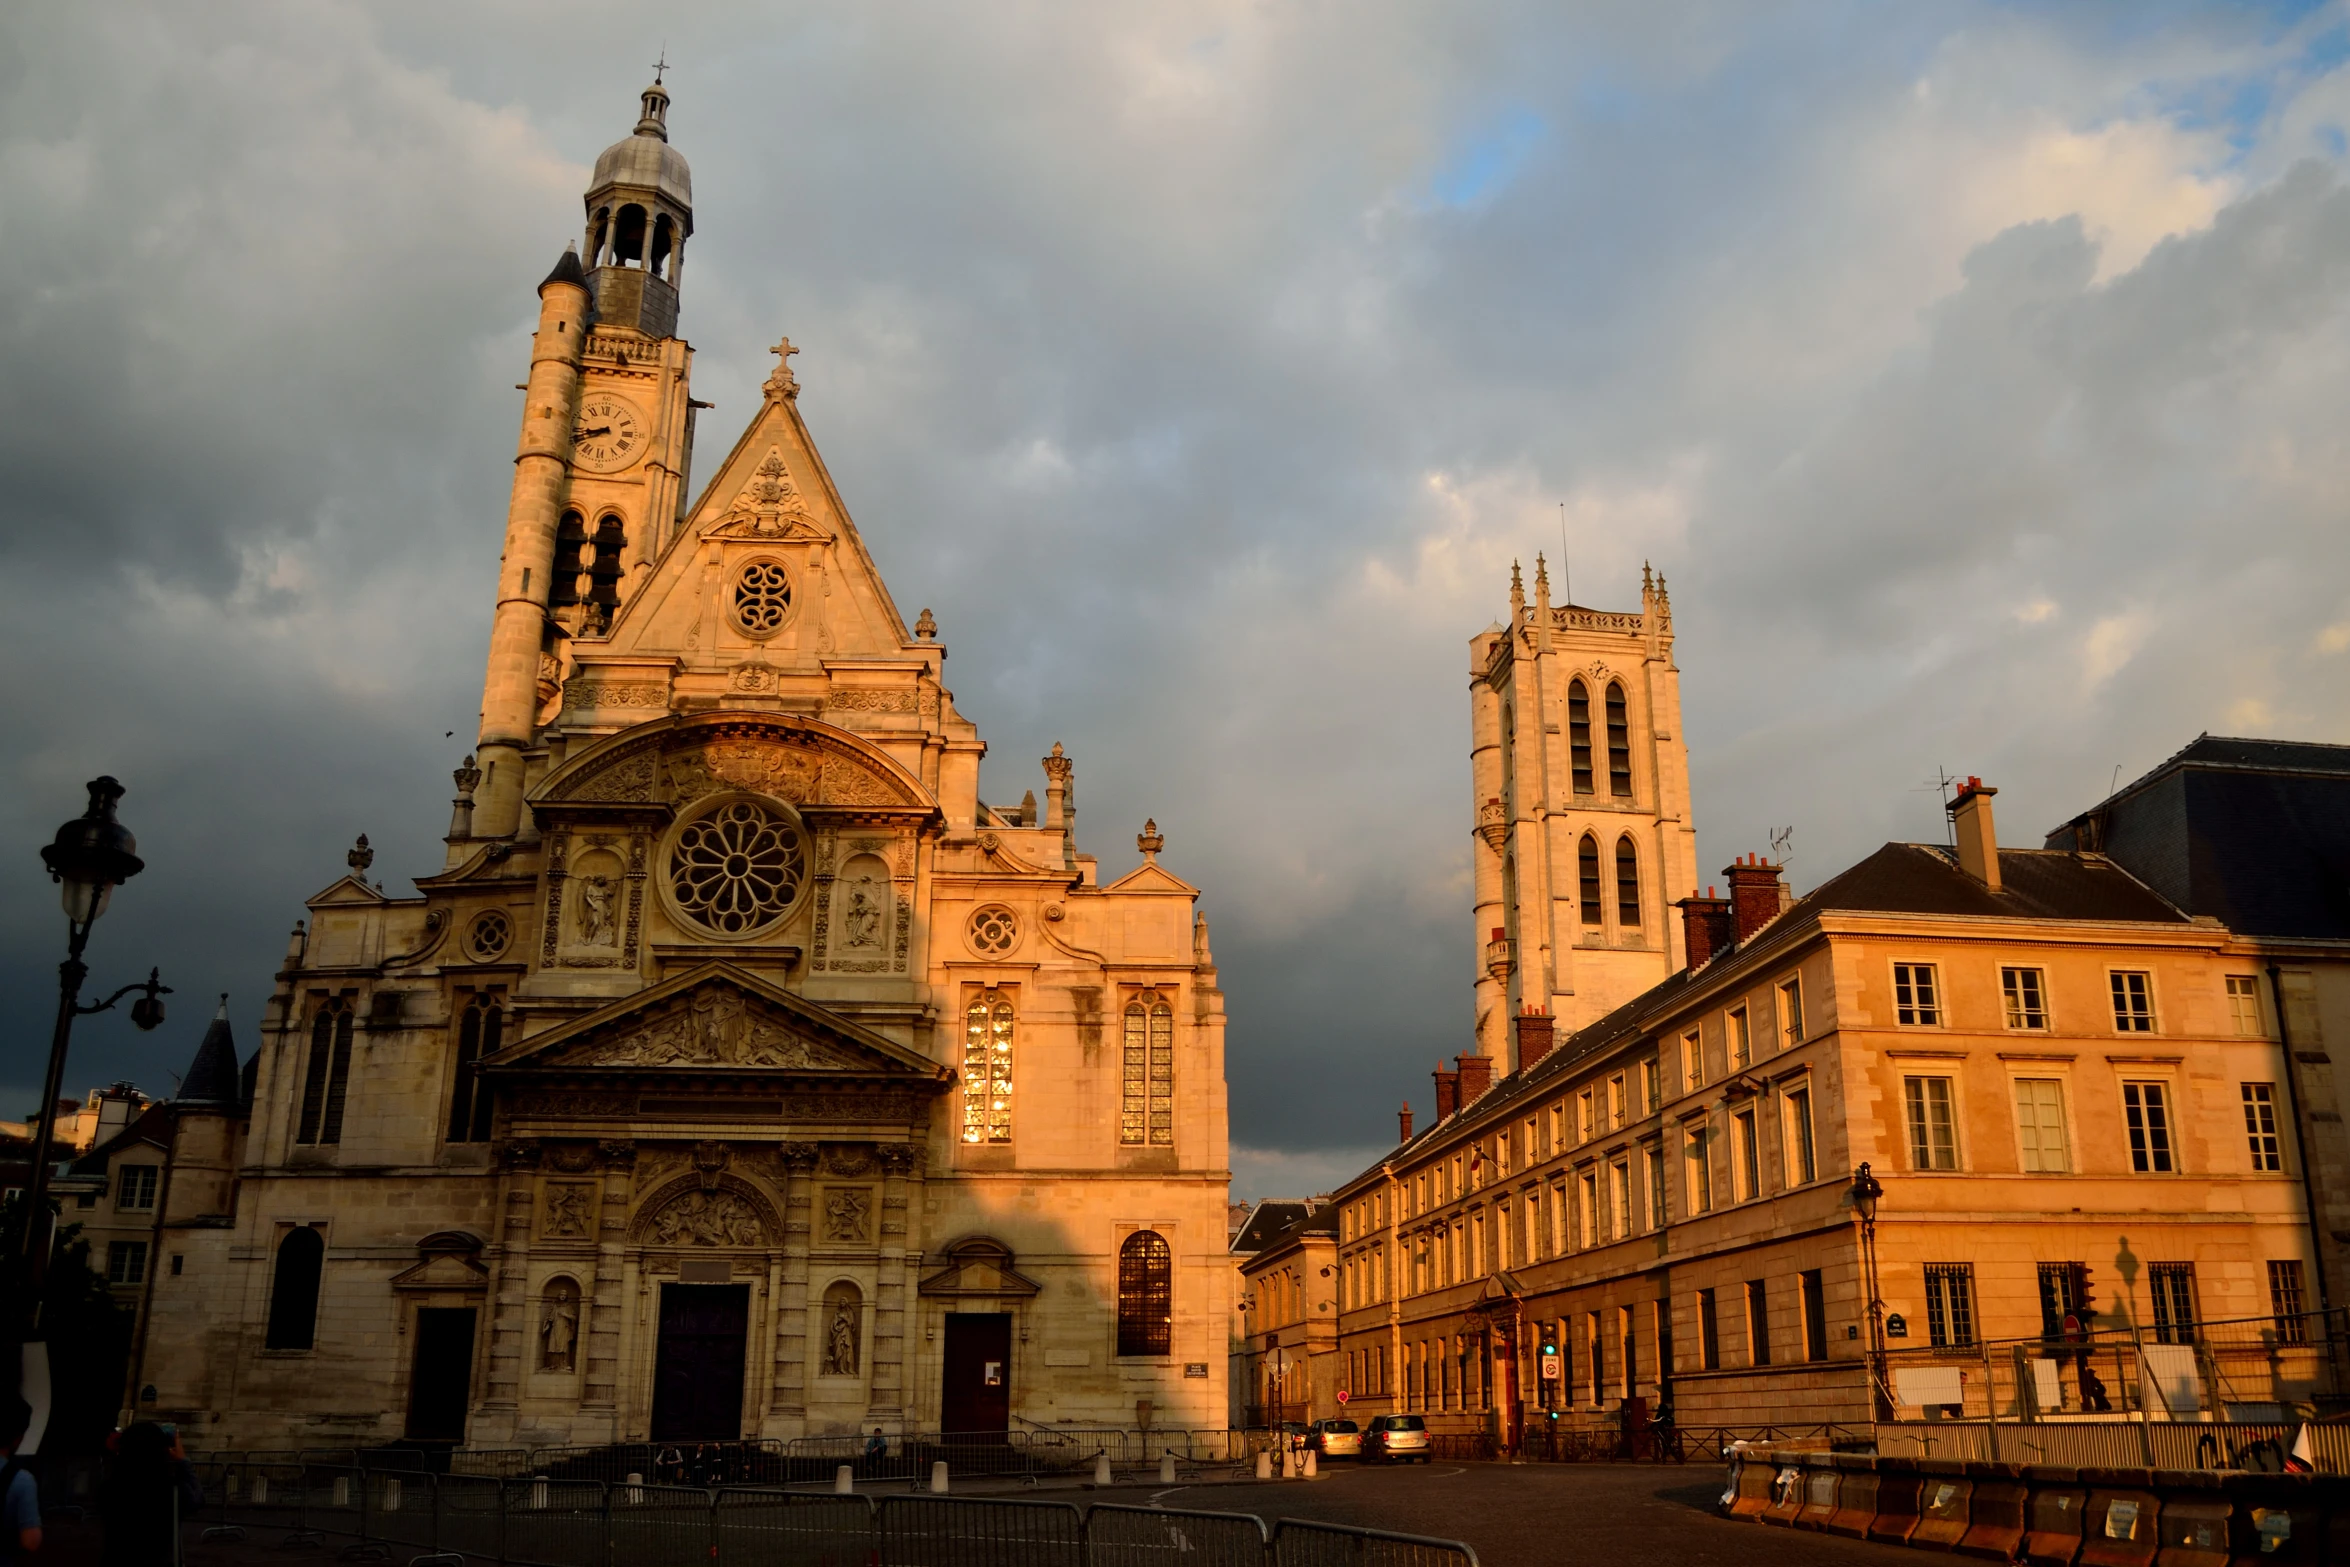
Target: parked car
{"x": 1396, "y": 1439}
{"x": 1336, "y": 1439}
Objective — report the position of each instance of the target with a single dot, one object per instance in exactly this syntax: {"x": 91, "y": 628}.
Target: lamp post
{"x": 90, "y": 857}
{"x": 1866, "y": 1190}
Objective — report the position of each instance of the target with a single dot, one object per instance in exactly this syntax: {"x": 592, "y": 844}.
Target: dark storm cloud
{"x": 1203, "y": 368}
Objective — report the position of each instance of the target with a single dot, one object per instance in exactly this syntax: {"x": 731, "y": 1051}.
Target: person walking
{"x": 20, "y": 1493}
{"x": 149, "y": 1488}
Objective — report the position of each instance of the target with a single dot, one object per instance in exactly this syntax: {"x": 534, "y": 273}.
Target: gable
{"x": 677, "y": 761}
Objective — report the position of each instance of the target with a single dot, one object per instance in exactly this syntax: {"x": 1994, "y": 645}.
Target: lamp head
{"x": 1866, "y": 1189}
{"x": 92, "y": 855}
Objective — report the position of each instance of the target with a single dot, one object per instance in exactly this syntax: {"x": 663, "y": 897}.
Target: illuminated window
{"x": 1147, "y": 1112}
{"x": 987, "y": 1069}
{"x": 1791, "y": 1011}
{"x": 1146, "y": 1294}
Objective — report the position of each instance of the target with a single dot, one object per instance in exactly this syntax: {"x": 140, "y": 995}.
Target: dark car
{"x": 1396, "y": 1439}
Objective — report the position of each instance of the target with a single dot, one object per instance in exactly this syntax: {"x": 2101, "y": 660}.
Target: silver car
{"x": 1336, "y": 1439}
{"x": 1396, "y": 1439}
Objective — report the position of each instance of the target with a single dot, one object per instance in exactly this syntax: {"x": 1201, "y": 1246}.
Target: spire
{"x": 213, "y": 1078}
{"x": 1517, "y": 595}
{"x": 654, "y": 122}
{"x": 1541, "y": 581}
{"x": 567, "y": 269}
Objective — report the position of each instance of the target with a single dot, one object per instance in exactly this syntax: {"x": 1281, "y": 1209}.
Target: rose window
{"x": 762, "y": 596}
{"x": 488, "y": 937}
{"x": 737, "y": 869}
{"x": 994, "y": 931}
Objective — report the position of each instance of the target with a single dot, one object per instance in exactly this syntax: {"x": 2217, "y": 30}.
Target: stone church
{"x": 739, "y": 1072}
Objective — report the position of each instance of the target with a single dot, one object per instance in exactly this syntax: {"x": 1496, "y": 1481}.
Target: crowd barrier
{"x": 2049, "y": 1515}
{"x": 545, "y": 1521}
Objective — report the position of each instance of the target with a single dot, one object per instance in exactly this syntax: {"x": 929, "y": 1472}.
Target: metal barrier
{"x": 791, "y": 1529}
{"x": 1118, "y": 1536}
{"x": 940, "y": 1531}
{"x": 1300, "y": 1543}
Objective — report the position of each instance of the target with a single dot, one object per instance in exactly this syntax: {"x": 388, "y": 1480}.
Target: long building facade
{"x": 737, "y": 1069}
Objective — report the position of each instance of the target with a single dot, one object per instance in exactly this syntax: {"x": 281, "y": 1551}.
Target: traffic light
{"x": 1553, "y": 1369}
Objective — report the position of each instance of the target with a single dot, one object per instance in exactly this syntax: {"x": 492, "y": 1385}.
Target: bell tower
{"x": 607, "y": 438}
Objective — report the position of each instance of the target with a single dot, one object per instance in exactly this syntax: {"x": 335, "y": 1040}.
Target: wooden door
{"x": 977, "y": 1395}
{"x": 440, "y": 1376}
{"x": 698, "y": 1376}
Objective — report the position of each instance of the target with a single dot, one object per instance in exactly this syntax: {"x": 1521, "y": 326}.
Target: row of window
{"x": 2024, "y": 1000}
{"x": 2043, "y": 1142}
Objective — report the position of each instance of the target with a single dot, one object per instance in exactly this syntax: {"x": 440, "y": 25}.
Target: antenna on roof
{"x": 2117, "y": 781}
{"x": 1783, "y": 846}
{"x": 1940, "y": 783}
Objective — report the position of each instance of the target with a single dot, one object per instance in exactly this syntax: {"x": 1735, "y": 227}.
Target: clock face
{"x": 608, "y": 435}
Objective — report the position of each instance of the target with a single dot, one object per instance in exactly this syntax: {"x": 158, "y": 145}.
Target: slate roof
{"x": 1272, "y": 1219}
{"x": 213, "y": 1077}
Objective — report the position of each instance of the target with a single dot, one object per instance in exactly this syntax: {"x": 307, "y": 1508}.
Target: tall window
{"x": 987, "y": 1069}
{"x": 2146, "y": 1111}
{"x": 2260, "y": 1126}
{"x": 1628, "y": 1368}
{"x": 1654, "y": 1173}
{"x": 1586, "y": 1118}
{"x": 134, "y": 1187}
{"x": 1146, "y": 1294}
{"x": 1652, "y": 1086}
{"x": 480, "y": 1031}
{"x": 2285, "y": 1301}
{"x": 293, "y": 1292}
{"x": 1917, "y": 1001}
{"x": 1618, "y": 1101}
{"x": 1932, "y": 1121}
{"x": 1791, "y": 1027}
{"x": 1950, "y": 1304}
{"x": 1587, "y": 864}
{"x": 126, "y": 1262}
{"x": 2039, "y": 1126}
{"x": 1741, "y": 1041}
{"x": 1620, "y": 1198}
{"x": 1803, "y": 1158}
{"x": 1709, "y": 1332}
{"x": 1700, "y": 1164}
{"x": 2025, "y": 997}
{"x": 1619, "y": 744}
{"x": 570, "y": 544}
{"x": 1692, "y": 1061}
{"x": 1815, "y": 1315}
{"x": 1598, "y": 1362}
{"x": 1147, "y": 1113}
{"x": 2244, "y": 1005}
{"x": 2174, "y": 1301}
{"x": 1749, "y": 1155}
{"x": 1579, "y": 734}
{"x": 2133, "y": 1002}
{"x": 2064, "y": 1297}
{"x": 1627, "y": 883}
{"x": 1758, "y": 1323}
{"x": 1587, "y": 1221}
{"x": 326, "y": 1075}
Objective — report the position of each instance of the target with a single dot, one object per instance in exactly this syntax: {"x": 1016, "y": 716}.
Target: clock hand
{"x": 601, "y": 429}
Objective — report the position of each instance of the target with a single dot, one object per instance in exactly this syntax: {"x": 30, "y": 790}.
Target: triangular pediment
{"x": 1149, "y": 877}
{"x": 722, "y": 1019}
{"x": 978, "y": 1266}
{"x": 347, "y": 890}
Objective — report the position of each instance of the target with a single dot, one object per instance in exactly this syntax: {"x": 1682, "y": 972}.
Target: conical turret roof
{"x": 213, "y": 1077}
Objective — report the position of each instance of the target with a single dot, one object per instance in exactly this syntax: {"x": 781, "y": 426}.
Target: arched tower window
{"x": 1147, "y": 1109}
{"x": 663, "y": 230}
{"x": 599, "y": 228}
{"x": 1509, "y": 757}
{"x": 480, "y": 1031}
{"x": 604, "y": 569}
{"x": 628, "y": 235}
{"x": 293, "y": 1293}
{"x": 570, "y": 545}
{"x": 987, "y": 1069}
{"x": 326, "y": 1074}
{"x": 1579, "y": 734}
{"x": 1587, "y": 862}
{"x": 1619, "y": 744}
{"x": 1627, "y": 883}
{"x": 1146, "y": 1295}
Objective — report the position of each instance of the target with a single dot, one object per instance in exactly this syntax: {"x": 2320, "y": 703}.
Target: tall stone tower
{"x": 1584, "y": 837}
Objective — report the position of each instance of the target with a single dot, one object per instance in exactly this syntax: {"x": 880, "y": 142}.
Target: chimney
{"x": 1448, "y": 1092}
{"x": 1476, "y": 1076}
{"x": 1978, "y": 843}
{"x": 1536, "y": 1034}
{"x": 1705, "y": 928}
{"x": 1403, "y": 1123}
{"x": 1754, "y": 893}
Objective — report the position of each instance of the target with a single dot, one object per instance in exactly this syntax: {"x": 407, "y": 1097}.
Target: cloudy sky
{"x": 1975, "y": 372}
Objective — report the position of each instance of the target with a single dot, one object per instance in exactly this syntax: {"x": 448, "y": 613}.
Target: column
{"x": 900, "y": 1189}
{"x": 600, "y": 1332}
{"x": 509, "y": 1329}
{"x": 791, "y": 1304}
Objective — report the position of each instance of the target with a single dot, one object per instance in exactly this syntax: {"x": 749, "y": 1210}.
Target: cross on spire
{"x": 783, "y": 383}
{"x": 660, "y": 65}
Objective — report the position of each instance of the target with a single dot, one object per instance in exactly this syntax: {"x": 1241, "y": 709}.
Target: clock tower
{"x": 607, "y": 435}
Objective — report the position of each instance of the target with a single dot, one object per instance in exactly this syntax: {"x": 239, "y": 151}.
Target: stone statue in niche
{"x": 840, "y": 1334}
{"x": 567, "y": 1212}
{"x": 559, "y": 1326}
{"x": 844, "y": 1214}
{"x": 861, "y": 923}
{"x": 596, "y": 928}
{"x": 708, "y": 1219}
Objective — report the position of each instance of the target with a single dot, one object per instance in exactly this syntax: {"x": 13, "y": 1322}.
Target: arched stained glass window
{"x": 293, "y": 1293}
{"x": 1146, "y": 1114}
{"x": 1587, "y": 862}
{"x": 1619, "y": 744}
{"x": 480, "y": 1031}
{"x": 1627, "y": 883}
{"x": 326, "y": 1074}
{"x": 987, "y": 1069}
{"x": 1579, "y": 734}
{"x": 1146, "y": 1295}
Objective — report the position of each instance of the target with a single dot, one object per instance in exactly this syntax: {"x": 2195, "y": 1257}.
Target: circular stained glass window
{"x": 489, "y": 935}
{"x": 994, "y": 931}
{"x": 738, "y": 868}
{"x": 762, "y": 597}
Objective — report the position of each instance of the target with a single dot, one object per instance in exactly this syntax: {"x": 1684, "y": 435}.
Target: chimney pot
{"x": 1754, "y": 894}
{"x": 1476, "y": 1076}
{"x": 1448, "y": 1092}
{"x": 1976, "y": 833}
{"x": 1705, "y": 928}
{"x": 1537, "y": 1033}
{"x": 1403, "y": 1122}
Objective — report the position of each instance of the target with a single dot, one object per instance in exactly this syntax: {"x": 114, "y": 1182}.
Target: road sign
{"x": 1342, "y": 1395}
{"x": 1550, "y": 1368}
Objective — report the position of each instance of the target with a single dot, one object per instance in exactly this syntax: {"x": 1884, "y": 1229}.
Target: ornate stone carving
{"x": 599, "y": 924}
{"x": 840, "y": 1336}
{"x": 768, "y": 507}
{"x": 697, "y": 1218}
{"x": 713, "y": 1026}
{"x": 900, "y": 1159}
{"x": 755, "y": 679}
{"x": 1493, "y": 824}
{"x": 565, "y": 1101}
{"x": 586, "y": 694}
{"x": 522, "y": 1153}
{"x": 847, "y": 1213}
{"x": 856, "y": 701}
{"x": 571, "y": 1158}
{"x": 786, "y": 772}
{"x": 710, "y": 1159}
{"x": 567, "y": 1211}
{"x": 847, "y": 1159}
{"x": 848, "y": 783}
{"x": 616, "y": 1153}
{"x": 798, "y": 1158}
{"x": 558, "y": 1325}
{"x": 627, "y": 781}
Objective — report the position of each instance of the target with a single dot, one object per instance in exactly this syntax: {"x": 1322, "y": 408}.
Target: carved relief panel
{"x": 864, "y": 903}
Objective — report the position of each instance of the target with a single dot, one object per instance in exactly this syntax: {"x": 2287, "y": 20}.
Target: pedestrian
{"x": 20, "y": 1493}
{"x": 149, "y": 1487}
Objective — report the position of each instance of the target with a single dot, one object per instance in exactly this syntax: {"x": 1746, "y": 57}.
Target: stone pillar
{"x": 509, "y": 1324}
{"x": 791, "y": 1303}
{"x": 542, "y": 462}
{"x": 600, "y": 1329}
{"x": 901, "y": 1194}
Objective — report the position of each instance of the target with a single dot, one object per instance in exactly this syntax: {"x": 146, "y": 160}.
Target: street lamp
{"x": 91, "y": 856}
{"x": 1866, "y": 1190}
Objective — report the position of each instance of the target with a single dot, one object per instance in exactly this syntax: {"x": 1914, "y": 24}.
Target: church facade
{"x": 739, "y": 1071}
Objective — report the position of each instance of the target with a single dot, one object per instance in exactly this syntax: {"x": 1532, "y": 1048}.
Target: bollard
{"x": 1264, "y": 1463}
{"x": 938, "y": 1477}
{"x": 633, "y": 1494}
{"x": 342, "y": 1490}
{"x": 261, "y": 1490}
{"x": 1166, "y": 1469}
{"x": 392, "y": 1494}
{"x": 844, "y": 1481}
{"x": 538, "y": 1492}
{"x": 1288, "y": 1462}
{"x": 1101, "y": 1468}
{"x": 1313, "y": 1465}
